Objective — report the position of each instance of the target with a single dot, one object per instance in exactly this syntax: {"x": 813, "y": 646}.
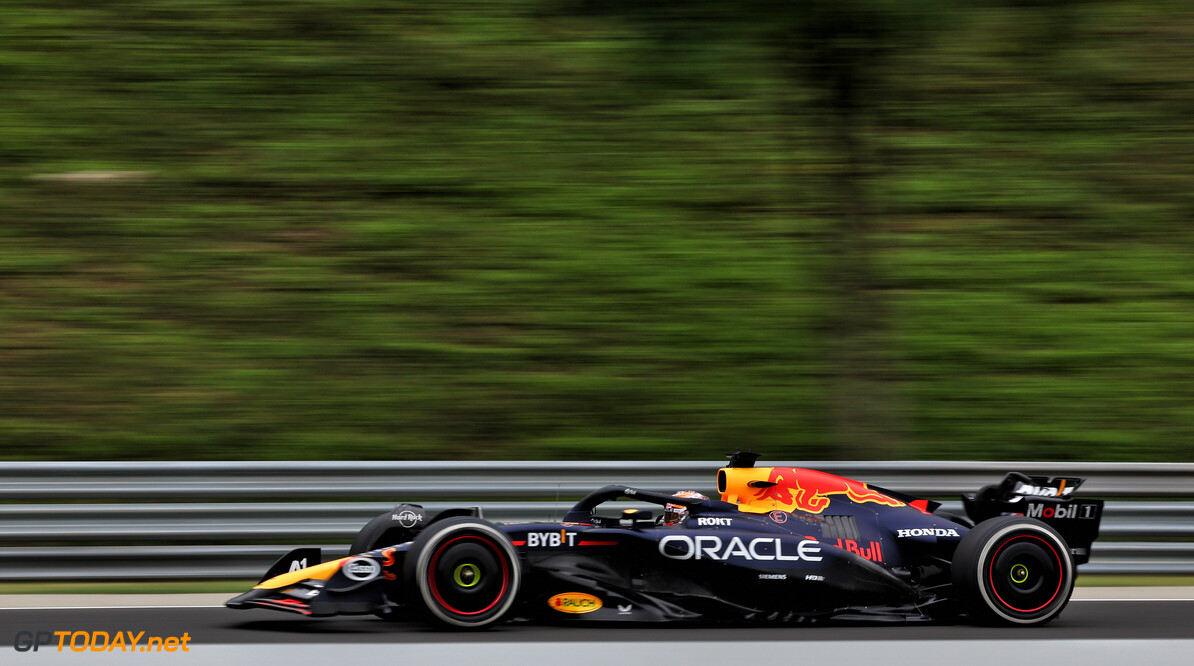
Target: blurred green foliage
{"x": 545, "y": 228}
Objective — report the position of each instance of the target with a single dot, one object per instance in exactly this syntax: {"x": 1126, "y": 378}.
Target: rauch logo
{"x": 574, "y": 602}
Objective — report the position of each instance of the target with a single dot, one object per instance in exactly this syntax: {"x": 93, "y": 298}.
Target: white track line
{"x": 1126, "y": 599}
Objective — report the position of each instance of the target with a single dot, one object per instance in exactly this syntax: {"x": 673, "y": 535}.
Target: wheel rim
{"x": 468, "y": 576}
{"x": 1019, "y": 574}
{"x": 1026, "y": 574}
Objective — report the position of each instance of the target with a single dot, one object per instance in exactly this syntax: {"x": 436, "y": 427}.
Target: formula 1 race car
{"x": 781, "y": 544}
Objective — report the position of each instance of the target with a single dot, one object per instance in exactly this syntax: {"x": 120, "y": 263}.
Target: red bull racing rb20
{"x": 780, "y": 544}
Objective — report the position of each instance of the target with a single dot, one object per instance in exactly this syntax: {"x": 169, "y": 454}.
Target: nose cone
{"x": 318, "y": 572}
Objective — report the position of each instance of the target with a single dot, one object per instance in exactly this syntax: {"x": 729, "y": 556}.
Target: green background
{"x": 547, "y": 229}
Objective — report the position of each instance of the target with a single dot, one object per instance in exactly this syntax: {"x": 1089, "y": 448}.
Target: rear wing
{"x": 1048, "y": 500}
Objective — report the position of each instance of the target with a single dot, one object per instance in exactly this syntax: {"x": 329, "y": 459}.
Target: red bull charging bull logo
{"x": 808, "y": 490}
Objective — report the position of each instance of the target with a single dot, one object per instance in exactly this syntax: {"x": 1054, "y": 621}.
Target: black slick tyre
{"x": 391, "y": 528}
{"x": 1013, "y": 571}
{"x": 462, "y": 573}
{"x": 377, "y": 533}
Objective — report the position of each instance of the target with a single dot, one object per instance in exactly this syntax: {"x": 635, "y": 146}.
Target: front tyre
{"x": 1013, "y": 571}
{"x": 465, "y": 571}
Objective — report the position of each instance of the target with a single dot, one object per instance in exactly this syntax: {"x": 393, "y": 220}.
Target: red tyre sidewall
{"x": 437, "y": 541}
{"x": 1030, "y": 532}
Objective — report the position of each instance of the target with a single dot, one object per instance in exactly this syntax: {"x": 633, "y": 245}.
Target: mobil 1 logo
{"x": 1063, "y": 511}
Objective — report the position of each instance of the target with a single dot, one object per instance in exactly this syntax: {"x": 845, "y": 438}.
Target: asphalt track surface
{"x": 1082, "y": 620}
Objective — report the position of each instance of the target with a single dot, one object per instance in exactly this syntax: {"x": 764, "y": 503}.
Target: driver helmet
{"x": 674, "y": 513}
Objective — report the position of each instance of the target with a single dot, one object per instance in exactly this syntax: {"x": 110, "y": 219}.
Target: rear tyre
{"x": 463, "y": 573}
{"x": 1013, "y": 571}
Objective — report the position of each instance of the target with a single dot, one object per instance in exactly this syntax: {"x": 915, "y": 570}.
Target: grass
{"x": 1113, "y": 580}
{"x": 545, "y": 229}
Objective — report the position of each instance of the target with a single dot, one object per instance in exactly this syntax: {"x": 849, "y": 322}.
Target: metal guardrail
{"x": 181, "y": 520}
